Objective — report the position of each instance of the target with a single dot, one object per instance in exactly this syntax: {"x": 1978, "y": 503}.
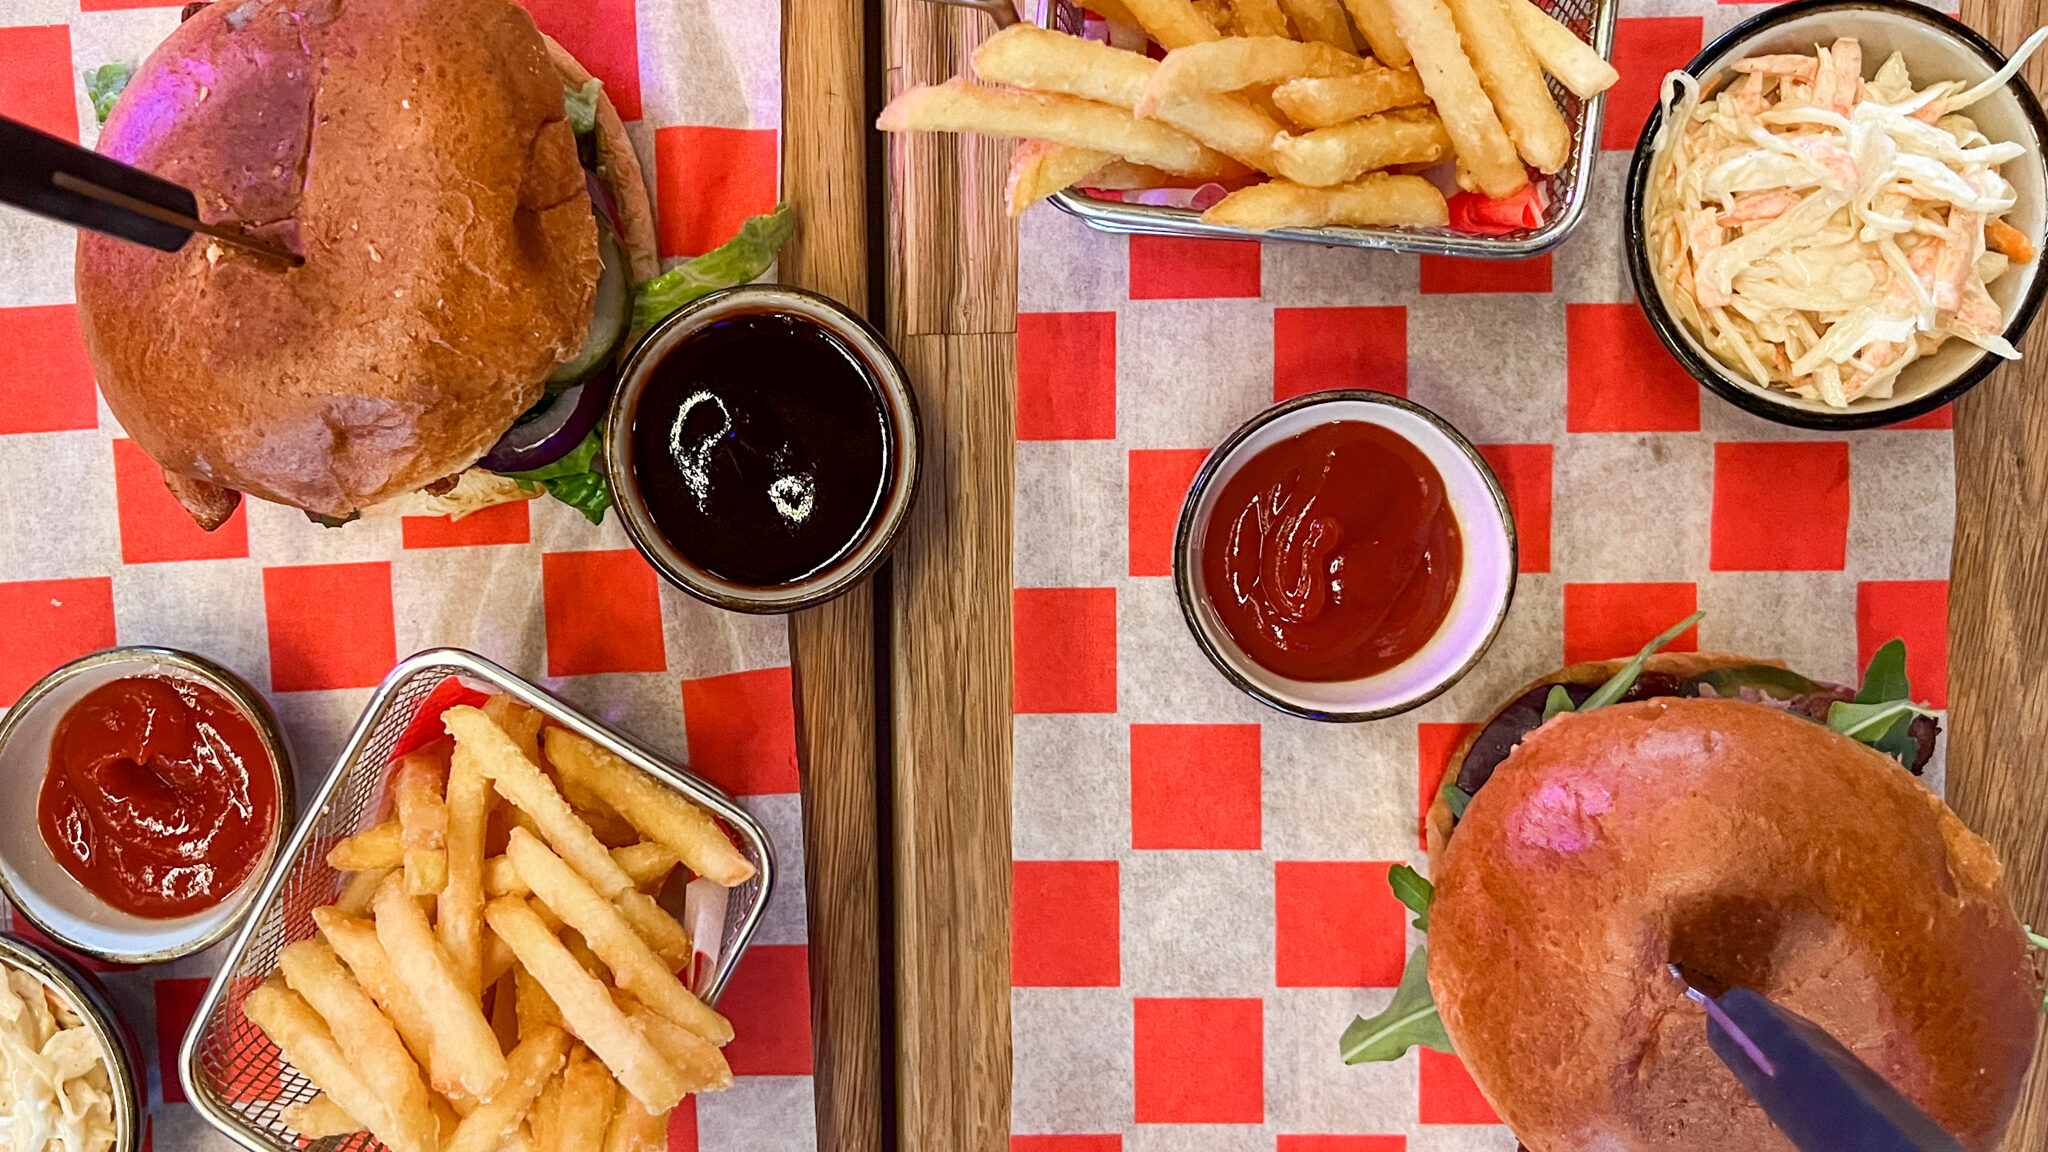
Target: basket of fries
{"x": 1459, "y": 127}
{"x": 472, "y": 942}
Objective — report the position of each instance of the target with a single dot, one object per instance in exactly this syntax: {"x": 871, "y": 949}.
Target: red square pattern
{"x": 1184, "y": 268}
{"x": 1336, "y": 925}
{"x": 35, "y": 78}
{"x": 742, "y": 730}
{"x": 1781, "y": 507}
{"x": 708, "y": 181}
{"x": 1942, "y": 417}
{"x": 1108, "y": 1143}
{"x": 1524, "y": 474}
{"x": 46, "y": 382}
{"x": 1448, "y": 1094}
{"x": 1610, "y": 621}
{"x": 1447, "y": 275}
{"x": 1160, "y": 479}
{"x": 1065, "y": 930}
{"x": 113, "y": 5}
{"x": 602, "y": 36}
{"x": 1066, "y": 376}
{"x": 1618, "y": 378}
{"x": 769, "y": 1004}
{"x": 1434, "y": 745}
{"x": 498, "y": 524}
{"x": 682, "y": 1126}
{"x": 1341, "y": 1144}
{"x": 1915, "y": 611}
{"x": 1317, "y": 349}
{"x": 177, "y": 1001}
{"x": 1064, "y": 646}
{"x": 1195, "y": 786}
{"x": 330, "y": 626}
{"x": 1645, "y": 48}
{"x": 155, "y": 527}
{"x": 603, "y": 613}
{"x": 1200, "y": 1061}
{"x": 51, "y": 622}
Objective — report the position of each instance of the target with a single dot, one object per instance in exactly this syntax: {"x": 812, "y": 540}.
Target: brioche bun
{"x": 1752, "y": 847}
{"x": 417, "y": 154}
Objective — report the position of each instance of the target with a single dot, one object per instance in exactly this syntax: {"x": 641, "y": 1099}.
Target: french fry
{"x": 1580, "y": 69}
{"x": 319, "y": 1118}
{"x": 586, "y": 1006}
{"x": 464, "y": 1047}
{"x": 1257, "y": 18}
{"x": 669, "y": 939}
{"x": 659, "y": 814}
{"x": 302, "y": 1036}
{"x": 418, "y": 790}
{"x": 1039, "y": 168}
{"x": 1511, "y": 77}
{"x": 1112, "y": 11}
{"x": 956, "y": 106}
{"x": 634, "y": 1128}
{"x": 1322, "y": 21}
{"x": 1227, "y": 123}
{"x": 635, "y": 967}
{"x": 536, "y": 1010}
{"x": 365, "y": 1036}
{"x": 579, "y": 1122}
{"x": 1340, "y": 155}
{"x": 355, "y": 941}
{"x": 700, "y": 1061}
{"x": 1239, "y": 63}
{"x": 1375, "y": 22}
{"x": 1174, "y": 23}
{"x": 378, "y": 846}
{"x": 498, "y": 959}
{"x": 647, "y": 863}
{"x": 1216, "y": 12}
{"x": 459, "y": 910}
{"x": 520, "y": 780}
{"x": 1378, "y": 200}
{"x": 516, "y": 720}
{"x": 527, "y": 1070}
{"x": 355, "y": 896}
{"x": 1327, "y": 101}
{"x": 504, "y": 1011}
{"x": 1467, "y": 112}
{"x": 1122, "y": 174}
{"x": 1027, "y": 56}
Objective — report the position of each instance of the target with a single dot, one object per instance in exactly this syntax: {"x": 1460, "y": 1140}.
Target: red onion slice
{"x": 556, "y": 432}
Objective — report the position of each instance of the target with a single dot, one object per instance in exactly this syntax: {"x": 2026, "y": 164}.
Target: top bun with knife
{"x": 471, "y": 216}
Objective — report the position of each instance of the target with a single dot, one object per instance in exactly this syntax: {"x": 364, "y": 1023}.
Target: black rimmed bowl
{"x": 84, "y": 995}
{"x": 39, "y": 887}
{"x": 1486, "y": 578}
{"x": 1935, "y": 47}
{"x": 877, "y": 365}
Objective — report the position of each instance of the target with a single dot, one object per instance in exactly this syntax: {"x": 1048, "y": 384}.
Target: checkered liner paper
{"x": 1201, "y": 903}
{"x": 93, "y": 552}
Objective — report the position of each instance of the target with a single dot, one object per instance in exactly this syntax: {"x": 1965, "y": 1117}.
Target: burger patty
{"x": 1759, "y": 683}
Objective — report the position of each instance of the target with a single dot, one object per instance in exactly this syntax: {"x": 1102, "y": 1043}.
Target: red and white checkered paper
{"x": 1201, "y": 903}
{"x": 93, "y": 552}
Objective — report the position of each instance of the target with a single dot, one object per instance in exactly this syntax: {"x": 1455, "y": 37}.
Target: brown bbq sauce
{"x": 762, "y": 449}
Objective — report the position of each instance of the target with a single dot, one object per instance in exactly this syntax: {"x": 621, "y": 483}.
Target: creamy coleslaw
{"x": 1817, "y": 232}
{"x": 55, "y": 1092}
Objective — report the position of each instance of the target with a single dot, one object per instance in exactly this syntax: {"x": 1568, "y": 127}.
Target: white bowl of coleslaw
{"x": 68, "y": 1066}
{"x": 1839, "y": 237}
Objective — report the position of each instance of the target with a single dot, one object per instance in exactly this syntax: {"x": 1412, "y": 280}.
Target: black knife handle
{"x": 30, "y": 158}
{"x": 1822, "y": 1097}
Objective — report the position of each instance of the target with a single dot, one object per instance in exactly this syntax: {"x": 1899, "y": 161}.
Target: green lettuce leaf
{"x": 1410, "y": 1020}
{"x": 1618, "y": 684}
{"x": 104, "y": 84}
{"x": 1559, "y": 700}
{"x": 577, "y": 479}
{"x": 581, "y": 105}
{"x": 732, "y": 263}
{"x": 1884, "y": 678}
{"x": 1870, "y": 723}
{"x": 1456, "y": 799}
{"x": 1414, "y": 891}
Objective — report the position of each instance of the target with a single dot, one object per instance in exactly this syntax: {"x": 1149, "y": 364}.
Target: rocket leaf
{"x": 1410, "y": 1020}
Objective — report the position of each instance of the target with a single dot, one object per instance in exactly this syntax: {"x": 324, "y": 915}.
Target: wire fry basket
{"x": 235, "y": 1076}
{"x": 1591, "y": 20}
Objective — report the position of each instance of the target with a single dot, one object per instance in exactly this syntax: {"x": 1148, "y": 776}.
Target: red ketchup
{"x": 159, "y": 798}
{"x": 1333, "y": 554}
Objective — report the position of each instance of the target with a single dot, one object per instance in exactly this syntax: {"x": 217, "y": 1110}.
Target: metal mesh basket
{"x": 232, "y": 1072}
{"x": 1592, "y": 20}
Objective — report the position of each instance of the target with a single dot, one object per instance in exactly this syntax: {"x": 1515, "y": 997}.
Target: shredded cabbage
{"x": 1817, "y": 232}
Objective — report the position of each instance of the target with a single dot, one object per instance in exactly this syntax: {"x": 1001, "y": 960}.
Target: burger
{"x": 1748, "y": 825}
{"x": 471, "y": 217}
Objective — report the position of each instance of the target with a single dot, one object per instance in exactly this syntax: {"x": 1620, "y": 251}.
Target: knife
{"x": 53, "y": 177}
{"x": 1813, "y": 1088}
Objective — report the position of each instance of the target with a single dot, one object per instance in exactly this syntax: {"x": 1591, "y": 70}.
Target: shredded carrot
{"x": 2008, "y": 241}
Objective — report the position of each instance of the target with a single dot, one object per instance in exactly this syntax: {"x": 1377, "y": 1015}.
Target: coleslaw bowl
{"x": 1934, "y": 47}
